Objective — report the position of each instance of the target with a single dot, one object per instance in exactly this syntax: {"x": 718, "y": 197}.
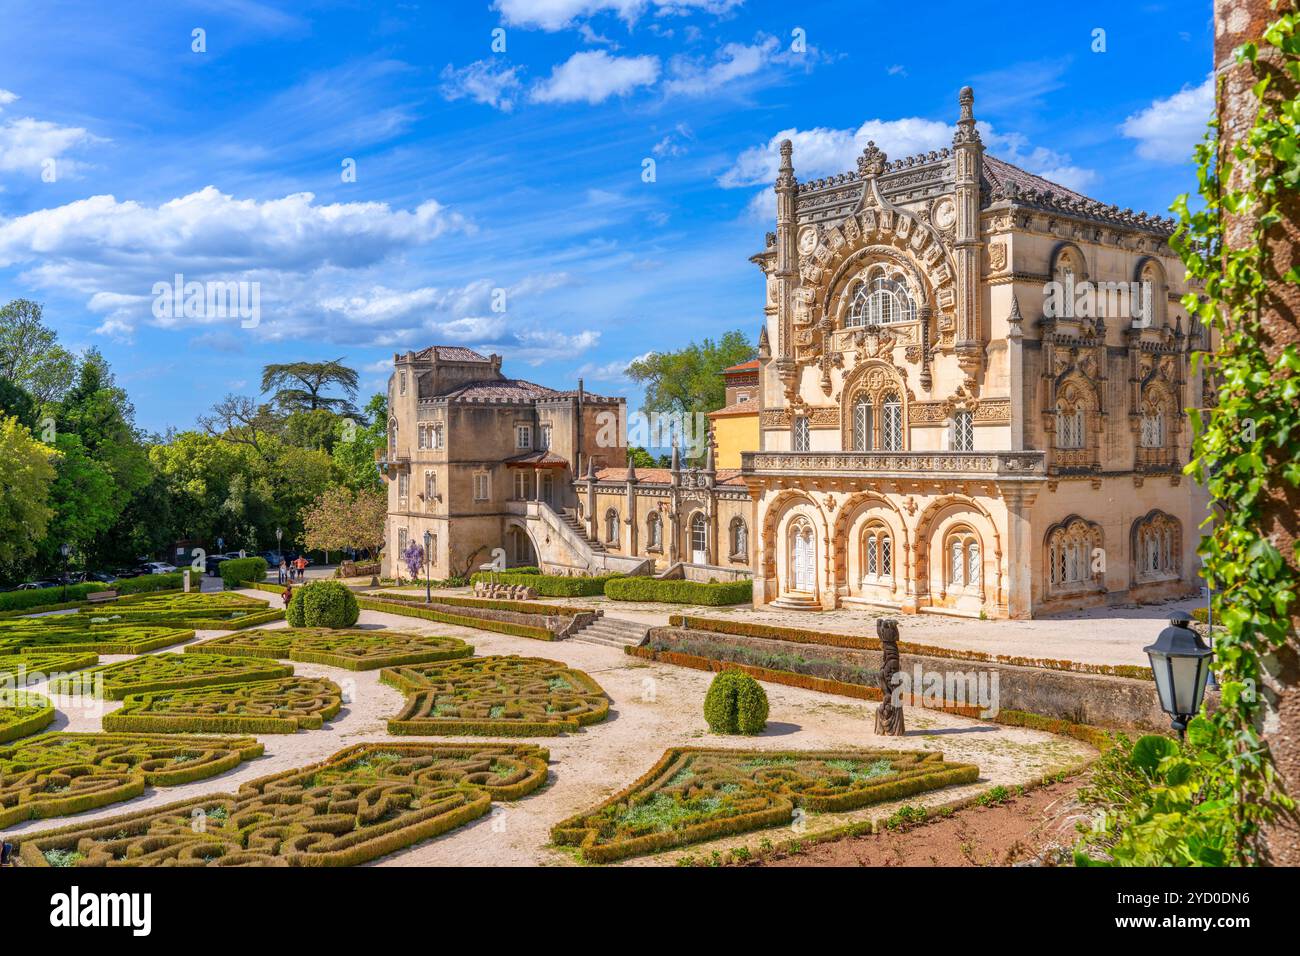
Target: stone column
{"x": 1020, "y": 550}
{"x": 1237, "y": 22}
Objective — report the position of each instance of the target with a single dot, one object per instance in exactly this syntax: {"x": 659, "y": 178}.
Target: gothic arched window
{"x": 863, "y": 415}
{"x": 963, "y": 431}
{"x": 800, "y": 437}
{"x": 891, "y": 423}
{"x": 1070, "y": 548}
{"x": 1069, "y": 425}
{"x": 1157, "y": 546}
{"x": 880, "y": 299}
{"x": 964, "y": 563}
{"x": 1153, "y": 426}
{"x": 877, "y": 554}
{"x": 699, "y": 534}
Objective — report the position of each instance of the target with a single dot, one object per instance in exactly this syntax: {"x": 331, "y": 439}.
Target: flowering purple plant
{"x": 414, "y": 558}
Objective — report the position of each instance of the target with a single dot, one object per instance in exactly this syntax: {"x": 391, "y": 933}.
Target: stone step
{"x": 612, "y": 632}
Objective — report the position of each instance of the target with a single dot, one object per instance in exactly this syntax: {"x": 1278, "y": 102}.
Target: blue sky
{"x": 127, "y": 157}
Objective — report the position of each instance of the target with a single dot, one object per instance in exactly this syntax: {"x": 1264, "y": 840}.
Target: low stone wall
{"x": 1096, "y": 699}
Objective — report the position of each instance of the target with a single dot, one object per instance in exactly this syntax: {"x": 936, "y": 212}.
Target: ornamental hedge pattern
{"x": 497, "y": 696}
{"x": 83, "y": 637}
{"x": 22, "y": 713}
{"x": 352, "y": 650}
{"x": 167, "y": 672}
{"x": 211, "y": 612}
{"x": 361, "y": 804}
{"x": 695, "y": 794}
{"x": 62, "y": 773}
{"x": 281, "y": 706}
{"x": 19, "y": 670}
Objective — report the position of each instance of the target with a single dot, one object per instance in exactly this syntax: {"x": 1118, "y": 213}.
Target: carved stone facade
{"x": 973, "y": 393}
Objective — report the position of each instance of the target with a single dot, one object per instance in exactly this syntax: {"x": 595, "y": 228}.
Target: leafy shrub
{"x": 550, "y": 585}
{"x": 236, "y": 571}
{"x": 323, "y": 604}
{"x": 1163, "y": 804}
{"x": 680, "y": 592}
{"x": 735, "y": 704}
{"x": 22, "y": 600}
{"x": 147, "y": 583}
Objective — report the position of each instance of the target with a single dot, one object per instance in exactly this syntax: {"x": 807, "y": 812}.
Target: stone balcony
{"x": 996, "y": 465}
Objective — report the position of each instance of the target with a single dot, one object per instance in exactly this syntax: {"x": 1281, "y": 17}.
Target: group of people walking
{"x": 293, "y": 570}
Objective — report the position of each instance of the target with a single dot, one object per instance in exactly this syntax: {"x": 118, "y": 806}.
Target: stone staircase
{"x": 612, "y": 632}
{"x": 570, "y": 519}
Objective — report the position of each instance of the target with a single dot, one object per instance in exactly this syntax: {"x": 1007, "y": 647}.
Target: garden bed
{"x": 427, "y": 790}
{"x": 62, "y": 773}
{"x": 352, "y": 650}
{"x": 693, "y": 794}
{"x": 210, "y": 612}
{"x": 281, "y": 706}
{"x": 503, "y": 622}
{"x": 160, "y": 672}
{"x": 505, "y": 696}
{"x": 23, "y": 713}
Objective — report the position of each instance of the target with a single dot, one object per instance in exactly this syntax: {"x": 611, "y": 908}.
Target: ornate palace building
{"x": 479, "y": 461}
{"x": 939, "y": 433}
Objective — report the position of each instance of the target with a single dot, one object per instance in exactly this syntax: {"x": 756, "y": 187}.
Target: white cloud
{"x": 27, "y": 143}
{"x": 1169, "y": 129}
{"x": 694, "y": 77}
{"x": 552, "y": 15}
{"x": 594, "y": 76}
{"x": 483, "y": 81}
{"x": 674, "y": 143}
{"x": 114, "y": 252}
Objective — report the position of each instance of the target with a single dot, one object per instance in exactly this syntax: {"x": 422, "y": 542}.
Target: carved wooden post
{"x": 889, "y": 716}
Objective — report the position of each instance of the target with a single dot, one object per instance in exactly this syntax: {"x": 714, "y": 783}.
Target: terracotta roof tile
{"x": 742, "y": 367}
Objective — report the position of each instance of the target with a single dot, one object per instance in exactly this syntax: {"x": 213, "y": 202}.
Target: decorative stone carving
{"x": 889, "y": 715}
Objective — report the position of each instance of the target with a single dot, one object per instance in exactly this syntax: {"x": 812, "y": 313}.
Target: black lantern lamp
{"x": 1180, "y": 662}
{"x": 428, "y": 562}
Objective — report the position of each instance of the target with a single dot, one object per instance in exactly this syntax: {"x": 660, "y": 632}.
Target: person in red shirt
{"x": 287, "y": 595}
{"x": 301, "y": 565}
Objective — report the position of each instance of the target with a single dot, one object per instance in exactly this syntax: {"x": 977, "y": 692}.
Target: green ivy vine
{"x": 1250, "y": 442}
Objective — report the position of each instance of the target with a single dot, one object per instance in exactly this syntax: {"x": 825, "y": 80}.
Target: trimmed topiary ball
{"x": 322, "y": 604}
{"x": 735, "y": 704}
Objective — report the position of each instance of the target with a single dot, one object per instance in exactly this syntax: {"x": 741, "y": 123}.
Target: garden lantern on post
{"x": 1180, "y": 662}
{"x": 65, "y": 549}
{"x": 428, "y": 558}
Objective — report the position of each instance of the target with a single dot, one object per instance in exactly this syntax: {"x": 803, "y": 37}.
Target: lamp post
{"x": 1180, "y": 662}
{"x": 428, "y": 558}
{"x": 65, "y": 549}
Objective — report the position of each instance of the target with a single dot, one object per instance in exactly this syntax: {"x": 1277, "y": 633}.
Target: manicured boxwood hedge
{"x": 168, "y": 672}
{"x": 209, "y": 612}
{"x": 37, "y": 773}
{"x": 463, "y": 620}
{"x": 353, "y": 650}
{"x": 238, "y": 570}
{"x": 714, "y": 594}
{"x": 495, "y": 696}
{"x": 412, "y": 792}
{"x": 23, "y": 713}
{"x": 322, "y": 604}
{"x": 490, "y": 604}
{"x": 90, "y": 638}
{"x": 26, "y": 600}
{"x": 281, "y": 706}
{"x": 735, "y": 704}
{"x": 550, "y": 585}
{"x": 19, "y": 603}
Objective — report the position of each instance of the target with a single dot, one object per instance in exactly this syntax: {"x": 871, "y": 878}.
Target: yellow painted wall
{"x": 734, "y": 433}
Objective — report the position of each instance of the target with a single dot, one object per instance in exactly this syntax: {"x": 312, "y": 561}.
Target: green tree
{"x": 83, "y": 497}
{"x": 690, "y": 380}
{"x": 355, "y": 446}
{"x": 299, "y": 385}
{"x": 16, "y": 403}
{"x": 26, "y": 474}
{"x": 30, "y": 355}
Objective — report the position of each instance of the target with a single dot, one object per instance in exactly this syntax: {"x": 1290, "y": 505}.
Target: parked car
{"x": 103, "y": 577}
{"x": 213, "y": 561}
{"x": 36, "y": 585}
{"x": 158, "y": 567}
